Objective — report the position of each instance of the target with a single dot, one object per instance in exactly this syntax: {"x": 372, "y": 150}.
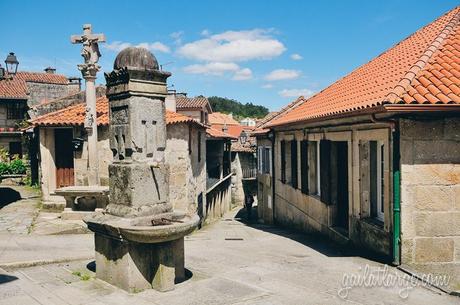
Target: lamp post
{"x": 11, "y": 63}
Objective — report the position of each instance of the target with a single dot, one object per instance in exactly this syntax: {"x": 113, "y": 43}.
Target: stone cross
{"x": 89, "y": 69}
{"x": 90, "y": 51}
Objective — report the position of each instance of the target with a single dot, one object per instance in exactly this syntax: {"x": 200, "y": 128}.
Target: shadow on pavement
{"x": 4, "y": 278}
{"x": 7, "y": 196}
{"x": 316, "y": 241}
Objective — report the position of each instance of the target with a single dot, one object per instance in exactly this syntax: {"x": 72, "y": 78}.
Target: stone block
{"x": 432, "y": 224}
{"x": 134, "y": 266}
{"x": 438, "y": 151}
{"x": 434, "y": 250}
{"x": 134, "y": 186}
{"x": 422, "y": 129}
{"x": 434, "y": 198}
{"x": 452, "y": 129}
{"x": 430, "y": 174}
{"x": 407, "y": 251}
{"x": 407, "y": 151}
{"x": 457, "y": 249}
{"x": 456, "y": 194}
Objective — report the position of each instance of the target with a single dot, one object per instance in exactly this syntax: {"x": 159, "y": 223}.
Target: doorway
{"x": 64, "y": 157}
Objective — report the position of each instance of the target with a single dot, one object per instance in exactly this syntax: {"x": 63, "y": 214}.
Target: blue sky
{"x": 265, "y": 52}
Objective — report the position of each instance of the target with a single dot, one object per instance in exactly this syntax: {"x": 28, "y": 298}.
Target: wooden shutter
{"x": 325, "y": 170}
{"x": 304, "y": 166}
{"x": 294, "y": 173}
{"x": 283, "y": 161}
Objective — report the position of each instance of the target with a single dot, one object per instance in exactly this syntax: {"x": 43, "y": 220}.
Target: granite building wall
{"x": 430, "y": 195}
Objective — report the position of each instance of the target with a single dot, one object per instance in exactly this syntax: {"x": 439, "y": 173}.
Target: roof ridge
{"x": 394, "y": 96}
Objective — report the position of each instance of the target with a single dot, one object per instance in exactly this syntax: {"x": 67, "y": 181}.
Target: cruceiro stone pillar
{"x": 89, "y": 69}
{"x": 139, "y": 239}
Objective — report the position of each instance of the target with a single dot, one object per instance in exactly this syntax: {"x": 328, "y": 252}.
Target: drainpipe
{"x": 396, "y": 198}
{"x": 272, "y": 138}
{"x": 394, "y": 125}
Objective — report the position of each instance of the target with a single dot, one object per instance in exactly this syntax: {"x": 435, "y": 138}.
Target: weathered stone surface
{"x": 437, "y": 224}
{"x": 139, "y": 187}
{"x": 434, "y": 198}
{"x": 434, "y": 250}
{"x": 407, "y": 251}
{"x": 456, "y": 191}
{"x": 422, "y": 129}
{"x": 428, "y": 151}
{"x": 430, "y": 174}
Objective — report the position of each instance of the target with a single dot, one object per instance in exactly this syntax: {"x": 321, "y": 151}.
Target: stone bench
{"x": 82, "y": 200}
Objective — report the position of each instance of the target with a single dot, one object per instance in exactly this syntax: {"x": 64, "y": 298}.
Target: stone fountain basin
{"x": 141, "y": 230}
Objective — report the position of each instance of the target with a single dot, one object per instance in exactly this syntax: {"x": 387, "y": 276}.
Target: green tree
{"x": 239, "y": 110}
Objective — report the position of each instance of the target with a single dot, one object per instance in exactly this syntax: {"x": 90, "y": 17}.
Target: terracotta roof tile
{"x": 183, "y": 102}
{"x": 401, "y": 75}
{"x": 219, "y": 118}
{"x": 16, "y": 88}
{"x": 218, "y": 134}
{"x": 75, "y": 115}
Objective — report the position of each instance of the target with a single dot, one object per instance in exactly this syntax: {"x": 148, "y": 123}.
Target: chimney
{"x": 170, "y": 101}
{"x": 50, "y": 70}
{"x": 74, "y": 84}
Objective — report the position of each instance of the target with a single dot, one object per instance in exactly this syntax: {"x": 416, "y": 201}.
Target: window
{"x": 294, "y": 175}
{"x": 15, "y": 148}
{"x": 313, "y": 160}
{"x": 376, "y": 166}
{"x": 304, "y": 166}
{"x": 267, "y": 160}
{"x": 15, "y": 111}
{"x": 283, "y": 161}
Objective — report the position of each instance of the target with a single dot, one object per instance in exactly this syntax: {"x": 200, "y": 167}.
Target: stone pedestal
{"x": 136, "y": 266}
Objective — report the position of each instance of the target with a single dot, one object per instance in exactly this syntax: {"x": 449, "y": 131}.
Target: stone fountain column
{"x": 139, "y": 239}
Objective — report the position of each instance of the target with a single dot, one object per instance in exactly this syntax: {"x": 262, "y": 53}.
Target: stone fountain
{"x": 139, "y": 239}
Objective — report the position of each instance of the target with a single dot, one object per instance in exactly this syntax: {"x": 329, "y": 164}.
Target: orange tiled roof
{"x": 16, "y": 88}
{"x": 219, "y": 134}
{"x": 422, "y": 69}
{"x": 233, "y": 130}
{"x": 183, "y": 102}
{"x": 217, "y": 118}
{"x": 75, "y": 115}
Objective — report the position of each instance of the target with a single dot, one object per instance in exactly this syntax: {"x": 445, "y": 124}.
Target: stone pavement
{"x": 231, "y": 263}
{"x": 28, "y": 236}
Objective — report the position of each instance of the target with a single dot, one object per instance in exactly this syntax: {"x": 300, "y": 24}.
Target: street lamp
{"x": 11, "y": 63}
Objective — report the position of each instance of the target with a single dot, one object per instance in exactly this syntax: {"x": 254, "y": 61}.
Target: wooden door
{"x": 64, "y": 157}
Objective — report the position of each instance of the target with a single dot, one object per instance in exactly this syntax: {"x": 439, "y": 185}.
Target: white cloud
{"x": 116, "y": 46}
{"x": 296, "y": 92}
{"x": 242, "y": 74}
{"x": 296, "y": 57}
{"x": 281, "y": 74}
{"x": 233, "y": 46}
{"x": 213, "y": 68}
{"x": 177, "y": 36}
{"x": 267, "y": 86}
{"x": 205, "y": 32}
{"x": 154, "y": 46}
